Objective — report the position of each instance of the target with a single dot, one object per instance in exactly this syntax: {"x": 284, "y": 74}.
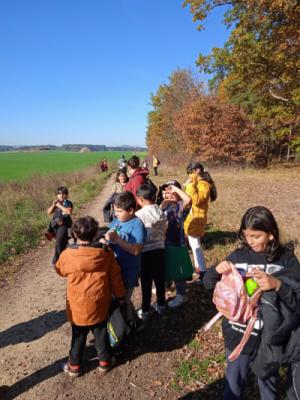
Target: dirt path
{"x": 35, "y": 339}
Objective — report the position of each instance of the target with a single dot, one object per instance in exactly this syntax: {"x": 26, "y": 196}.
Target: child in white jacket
{"x": 153, "y": 253}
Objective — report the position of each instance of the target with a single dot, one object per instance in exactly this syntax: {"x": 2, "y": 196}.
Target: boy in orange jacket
{"x": 93, "y": 277}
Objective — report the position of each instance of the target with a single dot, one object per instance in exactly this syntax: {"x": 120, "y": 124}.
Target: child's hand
{"x": 224, "y": 267}
{"x": 111, "y": 236}
{"x": 265, "y": 281}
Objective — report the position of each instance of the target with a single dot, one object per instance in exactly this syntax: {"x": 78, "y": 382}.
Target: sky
{"x": 82, "y": 71}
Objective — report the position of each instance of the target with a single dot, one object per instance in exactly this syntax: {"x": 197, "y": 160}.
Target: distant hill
{"x": 73, "y": 147}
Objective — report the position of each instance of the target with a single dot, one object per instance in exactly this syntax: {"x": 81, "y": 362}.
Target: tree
{"x": 216, "y": 131}
{"x": 161, "y": 135}
{"x": 259, "y": 66}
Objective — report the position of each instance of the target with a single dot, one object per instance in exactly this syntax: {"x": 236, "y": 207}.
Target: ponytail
{"x": 205, "y": 176}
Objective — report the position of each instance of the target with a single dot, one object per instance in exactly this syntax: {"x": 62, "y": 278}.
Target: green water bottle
{"x": 251, "y": 286}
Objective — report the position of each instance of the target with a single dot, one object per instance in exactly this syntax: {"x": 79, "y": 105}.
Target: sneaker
{"x": 199, "y": 280}
{"x": 49, "y": 236}
{"x": 105, "y": 366}
{"x": 159, "y": 309}
{"x": 178, "y": 301}
{"x": 72, "y": 370}
{"x": 143, "y": 315}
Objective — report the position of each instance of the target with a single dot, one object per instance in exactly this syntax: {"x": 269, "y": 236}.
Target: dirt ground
{"x": 35, "y": 339}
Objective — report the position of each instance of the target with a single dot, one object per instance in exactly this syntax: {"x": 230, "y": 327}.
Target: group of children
{"x": 146, "y": 229}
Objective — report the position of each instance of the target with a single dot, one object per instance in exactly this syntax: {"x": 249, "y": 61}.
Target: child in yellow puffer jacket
{"x": 201, "y": 188}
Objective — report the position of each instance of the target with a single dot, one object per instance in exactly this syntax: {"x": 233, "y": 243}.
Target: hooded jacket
{"x": 199, "y": 191}
{"x": 137, "y": 178}
{"x": 93, "y": 276}
{"x": 155, "y": 222}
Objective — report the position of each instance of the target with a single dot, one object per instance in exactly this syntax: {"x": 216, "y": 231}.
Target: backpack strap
{"x": 210, "y": 323}
{"x": 239, "y": 348}
{"x": 237, "y": 351}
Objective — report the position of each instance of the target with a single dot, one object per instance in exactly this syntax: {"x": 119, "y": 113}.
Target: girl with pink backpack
{"x": 262, "y": 256}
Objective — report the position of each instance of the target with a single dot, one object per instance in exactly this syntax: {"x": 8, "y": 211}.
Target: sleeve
{"x": 128, "y": 187}
{"x": 139, "y": 232}
{"x": 60, "y": 266}
{"x": 69, "y": 204}
{"x": 115, "y": 278}
{"x": 141, "y": 215}
{"x": 199, "y": 192}
{"x": 289, "y": 291}
{"x": 290, "y": 296}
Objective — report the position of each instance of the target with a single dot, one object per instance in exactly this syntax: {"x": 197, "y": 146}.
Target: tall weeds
{"x": 23, "y": 206}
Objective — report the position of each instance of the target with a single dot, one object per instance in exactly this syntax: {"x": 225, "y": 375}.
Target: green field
{"x": 19, "y": 166}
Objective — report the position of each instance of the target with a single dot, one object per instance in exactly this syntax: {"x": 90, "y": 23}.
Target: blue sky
{"x": 82, "y": 71}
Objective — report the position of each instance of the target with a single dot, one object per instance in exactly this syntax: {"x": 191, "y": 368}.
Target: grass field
{"x": 20, "y": 166}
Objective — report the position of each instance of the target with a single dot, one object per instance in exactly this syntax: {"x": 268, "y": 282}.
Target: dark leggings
{"x": 236, "y": 379}
{"x": 153, "y": 269}
{"x": 62, "y": 238}
{"x": 79, "y": 335}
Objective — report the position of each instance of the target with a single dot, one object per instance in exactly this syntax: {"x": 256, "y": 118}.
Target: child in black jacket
{"x": 260, "y": 250}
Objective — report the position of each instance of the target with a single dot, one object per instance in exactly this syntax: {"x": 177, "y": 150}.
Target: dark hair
{"x": 134, "y": 162}
{"x": 121, "y": 171}
{"x": 125, "y": 201}
{"x": 147, "y": 192}
{"x": 85, "y": 228}
{"x": 62, "y": 189}
{"x": 261, "y": 219}
{"x": 205, "y": 176}
{"x": 162, "y": 188}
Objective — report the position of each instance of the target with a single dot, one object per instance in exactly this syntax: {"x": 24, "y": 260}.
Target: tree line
{"x": 251, "y": 111}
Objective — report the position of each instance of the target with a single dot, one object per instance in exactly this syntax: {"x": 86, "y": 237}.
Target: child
{"x": 127, "y": 235}
{"x": 137, "y": 176}
{"x": 200, "y": 188}
{"x": 62, "y": 209}
{"x": 117, "y": 187}
{"x": 93, "y": 276}
{"x": 153, "y": 254}
{"x": 175, "y": 201}
{"x": 260, "y": 247}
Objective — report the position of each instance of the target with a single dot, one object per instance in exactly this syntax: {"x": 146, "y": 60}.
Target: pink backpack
{"x": 232, "y": 301}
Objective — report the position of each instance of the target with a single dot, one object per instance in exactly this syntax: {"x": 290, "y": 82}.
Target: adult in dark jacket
{"x": 137, "y": 176}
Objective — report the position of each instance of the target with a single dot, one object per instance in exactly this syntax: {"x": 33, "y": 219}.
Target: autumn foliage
{"x": 186, "y": 122}
{"x": 251, "y": 111}
{"x": 215, "y": 131}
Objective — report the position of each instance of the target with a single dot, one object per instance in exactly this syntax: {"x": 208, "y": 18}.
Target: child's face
{"x": 257, "y": 240}
{"x": 124, "y": 215}
{"x": 122, "y": 178}
{"x": 168, "y": 195}
{"x": 61, "y": 196}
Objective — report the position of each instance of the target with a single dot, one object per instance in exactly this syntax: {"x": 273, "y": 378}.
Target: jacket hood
{"x": 141, "y": 171}
{"x": 154, "y": 214}
{"x": 89, "y": 259}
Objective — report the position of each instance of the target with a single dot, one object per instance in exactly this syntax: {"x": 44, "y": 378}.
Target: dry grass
{"x": 23, "y": 206}
{"x": 238, "y": 189}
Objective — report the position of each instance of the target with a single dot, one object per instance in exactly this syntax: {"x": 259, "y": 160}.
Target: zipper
{"x": 269, "y": 304}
